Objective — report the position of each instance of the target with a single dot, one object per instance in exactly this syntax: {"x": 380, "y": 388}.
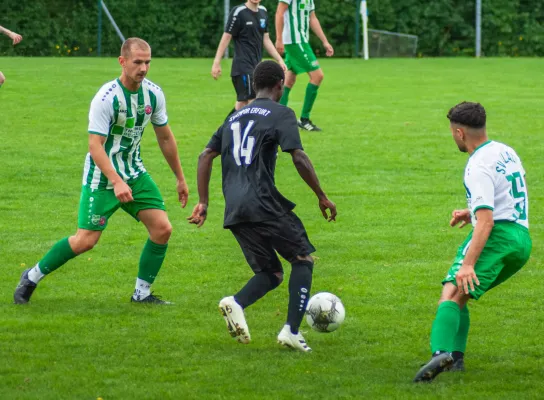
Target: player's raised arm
{"x": 280, "y": 12}
{"x": 307, "y": 172}
{"x": 318, "y": 30}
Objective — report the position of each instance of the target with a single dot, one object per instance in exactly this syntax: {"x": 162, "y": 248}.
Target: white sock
{"x": 35, "y": 275}
{"x": 143, "y": 289}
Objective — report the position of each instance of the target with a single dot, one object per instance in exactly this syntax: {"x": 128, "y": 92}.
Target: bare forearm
{"x": 479, "y": 239}
{"x": 204, "y": 172}
{"x": 103, "y": 162}
{"x": 271, "y": 49}
{"x": 316, "y": 28}
{"x": 4, "y": 30}
{"x": 169, "y": 149}
{"x": 307, "y": 172}
{"x": 225, "y": 40}
{"x": 279, "y": 26}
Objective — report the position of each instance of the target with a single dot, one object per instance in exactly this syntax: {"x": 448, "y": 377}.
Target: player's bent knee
{"x": 303, "y": 262}
{"x": 276, "y": 278}
{"x": 317, "y": 77}
{"x": 83, "y": 243}
{"x": 162, "y": 233}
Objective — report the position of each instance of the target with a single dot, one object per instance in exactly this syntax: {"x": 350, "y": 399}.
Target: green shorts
{"x": 97, "y": 206}
{"x": 506, "y": 251}
{"x": 300, "y": 58}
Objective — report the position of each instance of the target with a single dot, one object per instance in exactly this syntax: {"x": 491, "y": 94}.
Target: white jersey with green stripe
{"x": 121, "y": 116}
{"x": 296, "y": 21}
{"x": 495, "y": 179}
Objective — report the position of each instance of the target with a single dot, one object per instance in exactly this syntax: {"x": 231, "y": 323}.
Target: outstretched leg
{"x": 61, "y": 252}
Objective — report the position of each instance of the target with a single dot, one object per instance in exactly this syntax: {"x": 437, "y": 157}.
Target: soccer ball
{"x": 325, "y": 312}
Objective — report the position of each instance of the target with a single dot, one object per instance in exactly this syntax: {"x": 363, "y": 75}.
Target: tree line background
{"x": 183, "y": 28}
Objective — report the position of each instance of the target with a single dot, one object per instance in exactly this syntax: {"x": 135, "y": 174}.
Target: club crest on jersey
{"x": 148, "y": 109}
{"x": 98, "y": 220}
{"x": 141, "y": 109}
{"x": 263, "y": 23}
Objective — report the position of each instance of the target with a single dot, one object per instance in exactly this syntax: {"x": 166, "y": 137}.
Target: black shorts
{"x": 243, "y": 84}
{"x": 261, "y": 240}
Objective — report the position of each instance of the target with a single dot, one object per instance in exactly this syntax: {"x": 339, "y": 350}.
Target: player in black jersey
{"x": 258, "y": 215}
{"x": 248, "y": 26}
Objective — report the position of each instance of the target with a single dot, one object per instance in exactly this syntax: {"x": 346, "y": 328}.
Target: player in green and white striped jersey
{"x": 114, "y": 175}
{"x": 499, "y": 244}
{"x": 294, "y": 18}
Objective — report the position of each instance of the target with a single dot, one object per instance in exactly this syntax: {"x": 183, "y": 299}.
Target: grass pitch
{"x": 385, "y": 157}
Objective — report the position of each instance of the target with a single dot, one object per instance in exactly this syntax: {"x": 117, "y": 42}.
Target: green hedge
{"x": 182, "y": 28}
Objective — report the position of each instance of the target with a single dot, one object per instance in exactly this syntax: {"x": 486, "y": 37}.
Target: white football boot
{"x": 233, "y": 314}
{"x": 296, "y": 342}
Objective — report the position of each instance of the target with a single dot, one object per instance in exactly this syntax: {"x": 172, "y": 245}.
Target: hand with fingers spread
{"x": 466, "y": 278}
{"x": 324, "y": 205}
{"x": 123, "y": 192}
{"x": 462, "y": 216}
{"x": 183, "y": 192}
{"x": 200, "y": 212}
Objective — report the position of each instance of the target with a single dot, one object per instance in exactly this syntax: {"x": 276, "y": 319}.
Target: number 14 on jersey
{"x": 242, "y": 145}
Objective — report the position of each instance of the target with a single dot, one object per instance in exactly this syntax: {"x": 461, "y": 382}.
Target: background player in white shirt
{"x": 499, "y": 244}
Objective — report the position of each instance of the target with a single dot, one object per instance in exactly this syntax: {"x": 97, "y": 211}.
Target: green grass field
{"x": 385, "y": 157}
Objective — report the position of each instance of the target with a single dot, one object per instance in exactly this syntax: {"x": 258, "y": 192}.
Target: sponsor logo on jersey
{"x": 249, "y": 23}
{"x": 148, "y": 109}
{"x": 263, "y": 23}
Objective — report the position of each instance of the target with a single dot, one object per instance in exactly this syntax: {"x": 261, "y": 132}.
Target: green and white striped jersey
{"x": 296, "y": 21}
{"x": 121, "y": 116}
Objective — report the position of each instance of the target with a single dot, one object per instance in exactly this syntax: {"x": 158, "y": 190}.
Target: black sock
{"x": 300, "y": 284}
{"x": 457, "y": 355}
{"x": 259, "y": 285}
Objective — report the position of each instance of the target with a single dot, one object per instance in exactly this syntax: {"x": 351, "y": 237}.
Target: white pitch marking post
{"x": 364, "y": 15}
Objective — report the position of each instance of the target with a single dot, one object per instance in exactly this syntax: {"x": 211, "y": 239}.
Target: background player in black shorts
{"x": 260, "y": 218}
{"x": 248, "y": 26}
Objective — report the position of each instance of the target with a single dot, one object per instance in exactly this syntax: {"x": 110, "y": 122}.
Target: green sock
{"x": 309, "y": 100}
{"x": 151, "y": 260}
{"x": 58, "y": 255}
{"x": 445, "y": 326}
{"x": 460, "y": 341}
{"x": 285, "y": 96}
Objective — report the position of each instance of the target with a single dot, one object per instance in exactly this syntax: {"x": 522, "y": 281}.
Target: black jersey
{"x": 248, "y": 142}
{"x": 247, "y": 29}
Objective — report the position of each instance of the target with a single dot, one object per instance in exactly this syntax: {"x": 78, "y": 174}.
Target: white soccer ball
{"x": 325, "y": 312}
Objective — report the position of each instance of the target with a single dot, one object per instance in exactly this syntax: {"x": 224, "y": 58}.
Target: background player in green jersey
{"x": 16, "y": 39}
{"x": 499, "y": 244}
{"x": 114, "y": 176}
{"x": 294, "y": 18}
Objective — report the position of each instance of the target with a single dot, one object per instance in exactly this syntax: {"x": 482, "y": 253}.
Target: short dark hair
{"x": 468, "y": 114}
{"x": 267, "y": 74}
